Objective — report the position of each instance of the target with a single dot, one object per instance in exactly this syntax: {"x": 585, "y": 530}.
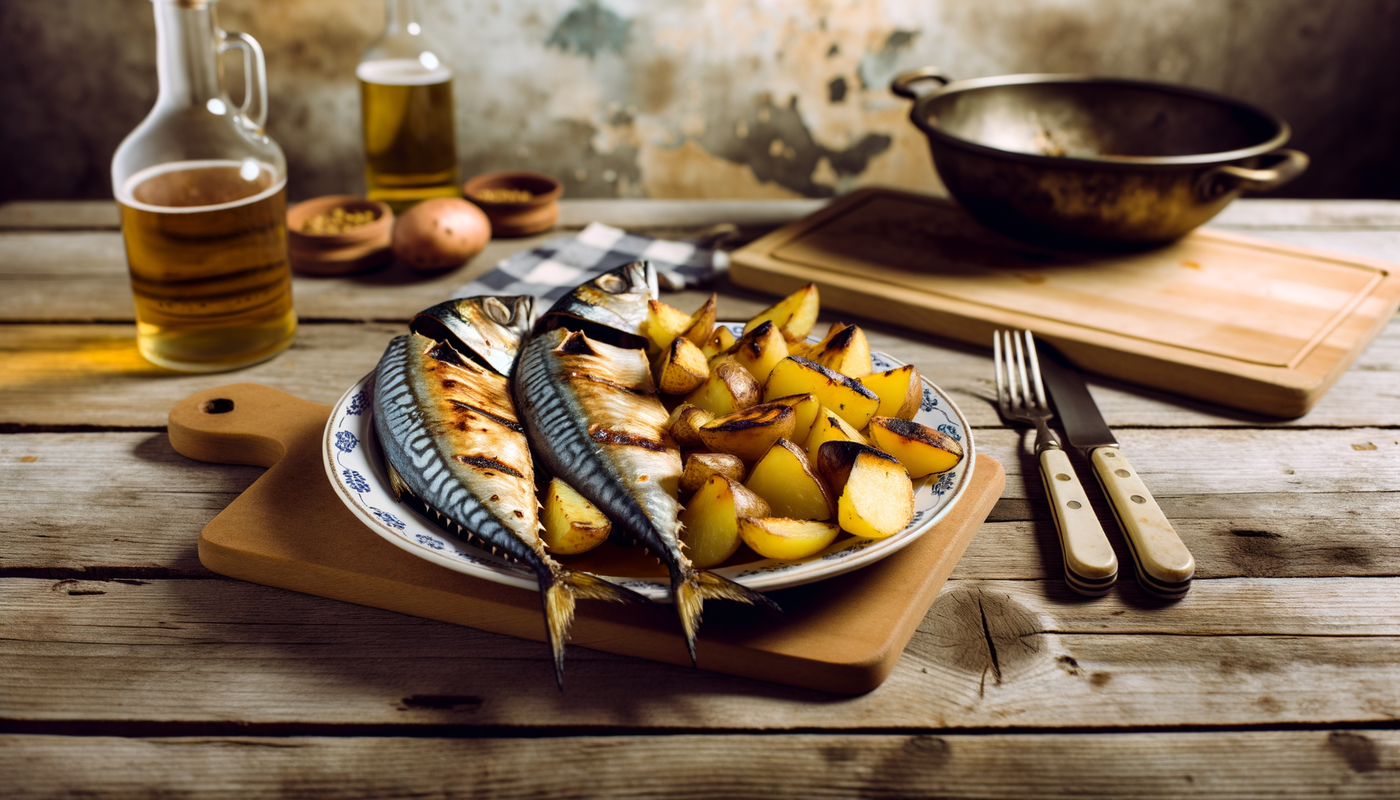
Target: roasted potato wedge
{"x": 759, "y": 350}
{"x": 719, "y": 341}
{"x": 901, "y": 391}
{"x": 786, "y": 539}
{"x": 750, "y": 432}
{"x": 684, "y": 424}
{"x": 805, "y": 348}
{"x": 846, "y": 396}
{"x": 829, "y": 427}
{"x": 729, "y": 388}
{"x": 700, "y": 466}
{"x": 681, "y": 367}
{"x": 876, "y": 496}
{"x": 702, "y": 323}
{"x": 847, "y": 352}
{"x": 571, "y": 523}
{"x": 921, "y": 449}
{"x": 794, "y": 315}
{"x": 710, "y": 520}
{"x": 664, "y": 323}
{"x": 791, "y": 486}
{"x": 806, "y": 406}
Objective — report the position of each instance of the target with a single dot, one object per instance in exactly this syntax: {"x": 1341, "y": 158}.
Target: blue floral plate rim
{"x": 350, "y": 455}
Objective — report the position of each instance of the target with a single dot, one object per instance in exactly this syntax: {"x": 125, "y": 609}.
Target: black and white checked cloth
{"x": 562, "y": 263}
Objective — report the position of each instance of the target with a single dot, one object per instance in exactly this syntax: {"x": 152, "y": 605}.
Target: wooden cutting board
{"x": 291, "y": 531}
{"x": 1244, "y": 322}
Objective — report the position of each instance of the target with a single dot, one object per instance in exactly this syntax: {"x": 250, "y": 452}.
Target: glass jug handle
{"x": 254, "y": 109}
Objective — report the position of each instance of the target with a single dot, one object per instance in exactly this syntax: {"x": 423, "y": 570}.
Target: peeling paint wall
{"x": 725, "y": 98}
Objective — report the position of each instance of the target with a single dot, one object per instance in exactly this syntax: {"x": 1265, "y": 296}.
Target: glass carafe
{"x": 406, "y": 107}
{"x": 202, "y": 191}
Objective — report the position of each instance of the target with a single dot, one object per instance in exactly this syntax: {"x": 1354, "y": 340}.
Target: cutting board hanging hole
{"x": 221, "y": 405}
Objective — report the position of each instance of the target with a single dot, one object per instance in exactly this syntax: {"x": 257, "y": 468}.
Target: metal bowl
{"x": 1079, "y": 161}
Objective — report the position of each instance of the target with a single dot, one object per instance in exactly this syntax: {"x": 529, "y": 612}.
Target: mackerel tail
{"x": 591, "y": 412}
{"x": 690, "y": 587}
{"x": 454, "y": 451}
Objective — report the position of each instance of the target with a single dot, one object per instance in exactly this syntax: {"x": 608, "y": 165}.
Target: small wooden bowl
{"x": 345, "y": 253}
{"x": 536, "y": 215}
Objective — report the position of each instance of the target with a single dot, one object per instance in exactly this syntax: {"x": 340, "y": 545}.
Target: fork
{"x": 1091, "y": 568}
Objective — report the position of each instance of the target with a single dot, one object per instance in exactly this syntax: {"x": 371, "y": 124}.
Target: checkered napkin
{"x": 562, "y": 263}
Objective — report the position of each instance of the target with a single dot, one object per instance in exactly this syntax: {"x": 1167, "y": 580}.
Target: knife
{"x": 1164, "y": 565}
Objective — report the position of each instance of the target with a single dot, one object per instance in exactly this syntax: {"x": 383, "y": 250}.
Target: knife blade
{"x": 1163, "y": 564}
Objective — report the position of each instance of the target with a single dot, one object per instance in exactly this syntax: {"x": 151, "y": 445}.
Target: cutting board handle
{"x": 244, "y": 423}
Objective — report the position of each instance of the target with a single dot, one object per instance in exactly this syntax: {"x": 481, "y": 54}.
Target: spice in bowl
{"x": 337, "y": 220}
{"x": 517, "y": 203}
{"x": 503, "y": 195}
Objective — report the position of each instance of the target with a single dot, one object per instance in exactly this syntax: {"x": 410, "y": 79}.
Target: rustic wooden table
{"x": 127, "y": 669}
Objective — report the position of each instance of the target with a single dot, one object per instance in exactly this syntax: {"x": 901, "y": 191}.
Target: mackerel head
{"x": 611, "y": 308}
{"x": 585, "y": 393}
{"x": 489, "y": 329}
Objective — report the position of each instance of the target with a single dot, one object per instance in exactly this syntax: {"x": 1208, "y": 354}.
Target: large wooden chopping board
{"x": 1244, "y": 322}
{"x": 290, "y": 530}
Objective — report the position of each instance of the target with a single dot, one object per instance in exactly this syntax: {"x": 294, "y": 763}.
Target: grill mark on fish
{"x": 486, "y": 462}
{"x": 603, "y": 435}
{"x": 421, "y": 436}
{"x": 610, "y": 384}
{"x": 496, "y": 418}
{"x": 564, "y": 417}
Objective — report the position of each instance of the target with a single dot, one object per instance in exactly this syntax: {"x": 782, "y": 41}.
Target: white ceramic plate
{"x": 355, "y": 466}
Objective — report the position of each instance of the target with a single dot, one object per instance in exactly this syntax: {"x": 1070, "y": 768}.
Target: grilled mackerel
{"x": 592, "y": 413}
{"x": 455, "y": 449}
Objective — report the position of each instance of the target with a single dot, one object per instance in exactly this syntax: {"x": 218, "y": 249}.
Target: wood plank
{"x": 1254, "y": 213}
{"x": 573, "y": 213}
{"x": 989, "y": 655}
{"x": 29, "y": 215}
{"x": 1254, "y": 764}
{"x": 43, "y": 367}
{"x": 127, "y": 504}
{"x": 82, "y": 277}
{"x": 1259, "y": 213}
{"x": 1263, "y": 536}
{"x": 1251, "y": 324}
{"x": 92, "y": 264}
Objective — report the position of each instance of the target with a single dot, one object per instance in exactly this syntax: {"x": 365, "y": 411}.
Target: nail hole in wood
{"x": 1110, "y": 454}
{"x": 1062, "y": 477}
{"x": 1122, "y": 473}
{"x": 1137, "y": 498}
{"x": 1074, "y": 504}
{"x": 221, "y": 405}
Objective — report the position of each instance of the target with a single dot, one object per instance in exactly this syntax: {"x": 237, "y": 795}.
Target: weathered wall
{"x": 722, "y": 98}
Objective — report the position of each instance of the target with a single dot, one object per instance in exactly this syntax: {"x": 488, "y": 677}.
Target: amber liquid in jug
{"x": 206, "y": 244}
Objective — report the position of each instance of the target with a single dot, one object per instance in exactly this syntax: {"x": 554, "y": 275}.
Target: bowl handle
{"x": 904, "y": 84}
{"x": 1287, "y": 165}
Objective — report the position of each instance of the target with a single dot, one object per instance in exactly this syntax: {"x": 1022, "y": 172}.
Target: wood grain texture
{"x": 111, "y": 626}
{"x": 127, "y": 501}
{"x": 990, "y": 654}
{"x": 34, "y": 254}
{"x": 1265, "y": 764}
{"x": 292, "y": 530}
{"x": 1229, "y": 319}
{"x": 54, "y": 375}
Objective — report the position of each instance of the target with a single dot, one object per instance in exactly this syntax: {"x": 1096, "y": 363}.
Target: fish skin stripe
{"x": 397, "y": 415}
{"x": 556, "y": 413}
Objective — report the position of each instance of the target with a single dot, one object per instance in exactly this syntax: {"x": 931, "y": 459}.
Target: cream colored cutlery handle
{"x": 1159, "y": 551}
{"x": 1087, "y": 551}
